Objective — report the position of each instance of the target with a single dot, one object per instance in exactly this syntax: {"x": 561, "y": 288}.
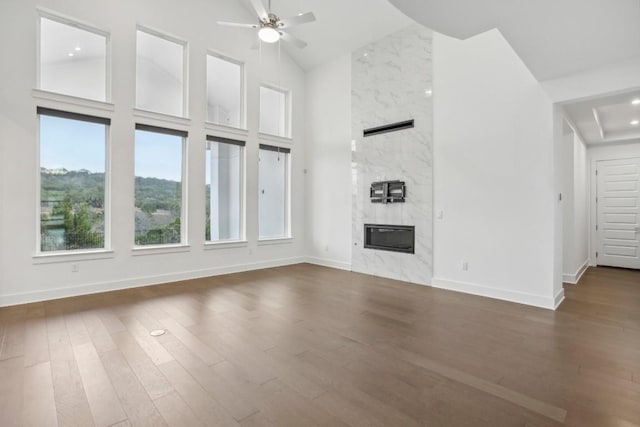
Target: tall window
{"x": 274, "y": 192}
{"x": 225, "y": 160}
{"x": 72, "y": 181}
{"x": 224, "y": 91}
{"x": 274, "y": 111}
{"x": 73, "y": 60}
{"x": 159, "y": 186}
{"x": 160, "y": 70}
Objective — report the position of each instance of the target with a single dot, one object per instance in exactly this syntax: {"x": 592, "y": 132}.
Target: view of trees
{"x": 72, "y": 205}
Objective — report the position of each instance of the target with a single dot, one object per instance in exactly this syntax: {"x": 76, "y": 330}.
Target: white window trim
{"x": 63, "y": 19}
{"x": 243, "y": 201}
{"x": 243, "y": 91}
{"x": 83, "y": 253}
{"x": 287, "y": 211}
{"x": 185, "y": 69}
{"x": 184, "y": 234}
{"x": 226, "y": 244}
{"x": 275, "y": 241}
{"x": 69, "y": 256}
{"x": 288, "y": 131}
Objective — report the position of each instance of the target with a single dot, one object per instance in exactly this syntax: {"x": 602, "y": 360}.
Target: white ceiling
{"x": 553, "y": 37}
{"x": 606, "y": 119}
{"x": 342, "y": 26}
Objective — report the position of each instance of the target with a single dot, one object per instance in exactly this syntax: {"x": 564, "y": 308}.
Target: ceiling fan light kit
{"x": 271, "y": 27}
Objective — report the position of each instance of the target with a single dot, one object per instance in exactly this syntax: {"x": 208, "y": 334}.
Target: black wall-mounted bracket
{"x": 393, "y": 127}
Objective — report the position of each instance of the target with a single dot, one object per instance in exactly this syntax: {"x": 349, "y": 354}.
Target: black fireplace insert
{"x": 395, "y": 238}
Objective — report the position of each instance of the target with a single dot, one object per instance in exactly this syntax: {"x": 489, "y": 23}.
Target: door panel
{"x": 618, "y": 213}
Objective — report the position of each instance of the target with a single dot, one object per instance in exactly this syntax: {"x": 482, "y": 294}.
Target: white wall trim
{"x": 574, "y": 278}
{"x": 559, "y": 298}
{"x": 340, "y": 265}
{"x": 93, "y": 288}
{"x": 501, "y": 294}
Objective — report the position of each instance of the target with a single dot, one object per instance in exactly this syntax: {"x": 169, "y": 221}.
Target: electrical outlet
{"x": 326, "y": 248}
{"x": 75, "y": 268}
{"x": 465, "y": 266}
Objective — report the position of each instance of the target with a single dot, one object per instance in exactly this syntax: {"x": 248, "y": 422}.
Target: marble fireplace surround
{"x": 392, "y": 82}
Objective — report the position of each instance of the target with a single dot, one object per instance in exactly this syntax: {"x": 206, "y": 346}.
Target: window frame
{"x": 72, "y": 22}
{"x": 243, "y": 90}
{"x": 185, "y": 70}
{"x": 78, "y": 116}
{"x": 288, "y": 234}
{"x": 184, "y": 215}
{"x": 243, "y": 189}
{"x": 288, "y": 96}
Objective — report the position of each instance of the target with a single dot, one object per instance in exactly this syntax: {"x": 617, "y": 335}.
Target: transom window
{"x": 274, "y": 111}
{"x": 73, "y": 59}
{"x": 225, "y": 87}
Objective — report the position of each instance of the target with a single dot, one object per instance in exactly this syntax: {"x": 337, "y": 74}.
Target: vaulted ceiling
{"x": 553, "y": 37}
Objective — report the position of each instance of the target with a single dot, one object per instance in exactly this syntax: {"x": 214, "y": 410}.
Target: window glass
{"x": 73, "y": 61}
{"x": 159, "y": 74}
{"x": 158, "y": 188}
{"x": 72, "y": 184}
{"x": 273, "y": 192}
{"x": 273, "y": 111}
{"x": 223, "y": 191}
{"x": 224, "y": 92}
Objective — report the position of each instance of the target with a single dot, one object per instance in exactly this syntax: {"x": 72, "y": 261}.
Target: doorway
{"x": 618, "y": 213}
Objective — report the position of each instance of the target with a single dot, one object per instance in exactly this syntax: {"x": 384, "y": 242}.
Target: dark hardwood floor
{"x": 311, "y": 346}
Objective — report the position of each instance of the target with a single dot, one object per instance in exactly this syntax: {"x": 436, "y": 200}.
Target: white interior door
{"x": 618, "y": 213}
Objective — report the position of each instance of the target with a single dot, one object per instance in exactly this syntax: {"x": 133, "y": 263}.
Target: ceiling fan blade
{"x": 237, "y": 24}
{"x": 293, "y": 40}
{"x": 303, "y": 18}
{"x": 260, "y": 10}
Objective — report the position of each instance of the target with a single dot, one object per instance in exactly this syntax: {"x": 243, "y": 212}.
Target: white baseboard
{"x": 93, "y": 288}
{"x": 506, "y": 295}
{"x": 341, "y": 265}
{"x": 574, "y": 278}
{"x": 559, "y": 298}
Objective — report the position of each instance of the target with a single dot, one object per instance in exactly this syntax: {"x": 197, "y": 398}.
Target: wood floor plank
{"x": 145, "y": 370}
{"x": 208, "y": 411}
{"x": 11, "y": 392}
{"x": 135, "y": 401}
{"x": 176, "y": 412}
{"x": 39, "y": 403}
{"x": 103, "y": 401}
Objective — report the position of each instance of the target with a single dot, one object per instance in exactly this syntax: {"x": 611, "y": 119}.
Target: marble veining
{"x": 392, "y": 82}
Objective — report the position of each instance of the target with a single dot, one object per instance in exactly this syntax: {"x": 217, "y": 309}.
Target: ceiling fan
{"x": 271, "y": 28}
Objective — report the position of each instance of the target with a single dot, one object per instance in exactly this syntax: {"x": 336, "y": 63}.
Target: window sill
{"x": 161, "y": 117}
{"x": 226, "y": 244}
{"x": 275, "y": 241}
{"x": 159, "y": 250}
{"x": 280, "y": 139}
{"x": 68, "y": 256}
{"x": 56, "y": 99}
{"x": 226, "y": 129}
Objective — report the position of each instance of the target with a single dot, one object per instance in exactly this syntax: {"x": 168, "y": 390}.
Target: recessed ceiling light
{"x": 365, "y": 54}
{"x": 77, "y": 49}
{"x": 635, "y": 122}
{"x": 70, "y": 54}
{"x": 635, "y": 101}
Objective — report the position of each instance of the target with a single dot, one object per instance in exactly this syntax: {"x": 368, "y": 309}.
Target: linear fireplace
{"x": 395, "y": 238}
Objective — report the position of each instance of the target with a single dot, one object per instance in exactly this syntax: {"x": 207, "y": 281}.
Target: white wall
{"x": 328, "y": 163}
{"x": 575, "y": 205}
{"x": 25, "y": 278}
{"x": 494, "y": 177}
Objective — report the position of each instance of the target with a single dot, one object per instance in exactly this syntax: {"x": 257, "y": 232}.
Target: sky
{"x": 75, "y": 145}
